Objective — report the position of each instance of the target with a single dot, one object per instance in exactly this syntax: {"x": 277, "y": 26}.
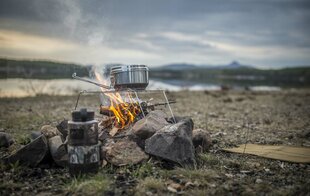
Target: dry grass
{"x": 150, "y": 184}
{"x": 94, "y": 185}
{"x": 268, "y": 117}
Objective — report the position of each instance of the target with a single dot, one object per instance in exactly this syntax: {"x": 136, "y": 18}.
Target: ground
{"x": 232, "y": 118}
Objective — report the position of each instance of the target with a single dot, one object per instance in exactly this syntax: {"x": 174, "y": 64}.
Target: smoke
{"x": 73, "y": 15}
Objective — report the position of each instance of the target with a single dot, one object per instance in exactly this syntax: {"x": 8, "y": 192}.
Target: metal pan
{"x": 129, "y": 76}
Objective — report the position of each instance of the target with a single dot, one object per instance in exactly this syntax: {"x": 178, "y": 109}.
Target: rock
{"x": 49, "y": 131}
{"x": 58, "y": 151}
{"x": 173, "y": 143}
{"x": 63, "y": 128}
{"x": 201, "y": 140}
{"x": 227, "y": 100}
{"x": 213, "y": 115}
{"x": 174, "y": 187}
{"x": 304, "y": 134}
{"x": 219, "y": 134}
{"x": 147, "y": 126}
{"x": 177, "y": 119}
{"x": 31, "y": 154}
{"x": 124, "y": 152}
{"x": 171, "y": 189}
{"x": 34, "y": 135}
{"x": 225, "y": 87}
{"x": 239, "y": 99}
{"x": 6, "y": 140}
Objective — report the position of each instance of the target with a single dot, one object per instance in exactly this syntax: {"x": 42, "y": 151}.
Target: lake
{"x": 28, "y": 87}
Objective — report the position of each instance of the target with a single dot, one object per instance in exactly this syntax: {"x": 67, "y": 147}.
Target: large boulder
{"x": 173, "y": 143}
{"x": 147, "y": 126}
{"x": 6, "y": 140}
{"x": 58, "y": 151}
{"x": 123, "y": 152}
{"x": 201, "y": 140}
{"x": 31, "y": 154}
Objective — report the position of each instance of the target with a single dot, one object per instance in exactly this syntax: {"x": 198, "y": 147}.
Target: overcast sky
{"x": 271, "y": 33}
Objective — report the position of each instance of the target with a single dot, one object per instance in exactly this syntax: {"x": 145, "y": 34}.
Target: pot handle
{"x": 74, "y": 76}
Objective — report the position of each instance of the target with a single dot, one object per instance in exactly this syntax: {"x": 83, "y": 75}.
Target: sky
{"x": 263, "y": 33}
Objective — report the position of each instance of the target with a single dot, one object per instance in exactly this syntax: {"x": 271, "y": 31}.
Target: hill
{"x": 40, "y": 69}
{"x": 186, "y": 66}
{"x": 234, "y": 74}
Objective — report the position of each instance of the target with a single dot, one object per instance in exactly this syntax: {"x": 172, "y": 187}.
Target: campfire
{"x": 129, "y": 124}
{"x": 124, "y": 107}
{"x": 129, "y": 131}
{"x": 125, "y": 112}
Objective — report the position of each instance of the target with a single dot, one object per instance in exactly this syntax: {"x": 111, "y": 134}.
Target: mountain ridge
{"x": 188, "y": 66}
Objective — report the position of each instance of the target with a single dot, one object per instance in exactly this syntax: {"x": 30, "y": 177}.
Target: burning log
{"x": 113, "y": 131}
{"x": 105, "y": 110}
{"x": 124, "y": 114}
{"x": 106, "y": 121}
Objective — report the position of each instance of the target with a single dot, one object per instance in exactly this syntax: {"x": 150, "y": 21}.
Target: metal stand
{"x": 127, "y": 90}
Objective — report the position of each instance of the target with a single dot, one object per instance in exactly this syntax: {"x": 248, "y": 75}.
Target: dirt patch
{"x": 232, "y": 118}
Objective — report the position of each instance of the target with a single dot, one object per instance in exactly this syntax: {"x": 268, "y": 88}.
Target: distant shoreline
{"x": 233, "y": 74}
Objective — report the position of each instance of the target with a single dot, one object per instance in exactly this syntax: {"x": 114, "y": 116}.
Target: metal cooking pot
{"x": 129, "y": 76}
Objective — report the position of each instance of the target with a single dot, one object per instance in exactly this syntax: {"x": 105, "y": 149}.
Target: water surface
{"x": 30, "y": 87}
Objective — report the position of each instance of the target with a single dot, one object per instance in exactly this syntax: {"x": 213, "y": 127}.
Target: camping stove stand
{"x": 127, "y": 90}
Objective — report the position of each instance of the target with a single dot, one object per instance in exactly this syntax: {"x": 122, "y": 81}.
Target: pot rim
{"x": 128, "y": 68}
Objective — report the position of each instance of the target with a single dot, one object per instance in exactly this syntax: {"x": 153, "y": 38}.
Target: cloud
{"x": 25, "y": 45}
{"x": 271, "y": 33}
{"x": 11, "y": 40}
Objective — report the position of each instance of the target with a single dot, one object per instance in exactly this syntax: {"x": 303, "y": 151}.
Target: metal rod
{"x": 139, "y": 103}
{"x": 169, "y": 106}
{"x": 77, "y": 101}
{"x": 115, "y": 91}
{"x": 111, "y": 91}
{"x": 74, "y": 76}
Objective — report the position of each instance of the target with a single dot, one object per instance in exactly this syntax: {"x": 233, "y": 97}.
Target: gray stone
{"x": 6, "y": 140}
{"x": 173, "y": 143}
{"x": 49, "y": 131}
{"x": 123, "y": 152}
{"x": 63, "y": 128}
{"x": 58, "y": 151}
{"x": 147, "y": 126}
{"x": 201, "y": 140}
{"x": 304, "y": 133}
{"x": 35, "y": 134}
{"x": 31, "y": 154}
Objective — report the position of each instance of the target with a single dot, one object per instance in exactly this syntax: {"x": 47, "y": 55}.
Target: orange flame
{"x": 125, "y": 111}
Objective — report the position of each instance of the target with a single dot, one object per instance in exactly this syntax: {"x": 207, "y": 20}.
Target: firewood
{"x": 113, "y": 131}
